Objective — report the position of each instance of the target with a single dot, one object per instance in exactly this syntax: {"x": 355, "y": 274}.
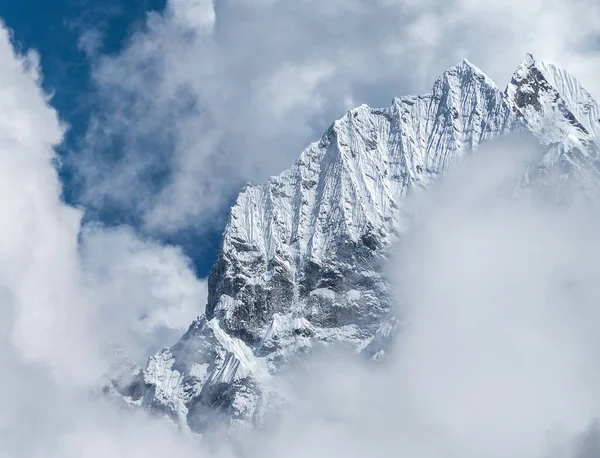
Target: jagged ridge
{"x": 302, "y": 256}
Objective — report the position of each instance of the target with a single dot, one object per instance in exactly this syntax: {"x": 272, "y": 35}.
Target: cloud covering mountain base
{"x": 496, "y": 353}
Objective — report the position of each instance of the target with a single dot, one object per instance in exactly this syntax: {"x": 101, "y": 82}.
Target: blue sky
{"x": 54, "y": 31}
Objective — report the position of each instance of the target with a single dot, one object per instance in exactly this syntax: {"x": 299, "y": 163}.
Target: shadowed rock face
{"x": 301, "y": 264}
{"x": 312, "y": 241}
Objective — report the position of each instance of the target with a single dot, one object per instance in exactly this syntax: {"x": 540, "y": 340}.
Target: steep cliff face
{"x": 302, "y": 256}
{"x": 564, "y": 117}
{"x": 308, "y": 245}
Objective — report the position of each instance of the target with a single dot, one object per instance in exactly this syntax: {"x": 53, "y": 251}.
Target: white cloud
{"x": 148, "y": 292}
{"x": 39, "y": 273}
{"x": 239, "y": 99}
{"x": 501, "y": 302}
{"x": 197, "y": 15}
{"x": 90, "y": 41}
{"x": 68, "y": 296}
{"x": 498, "y": 353}
{"x": 58, "y": 310}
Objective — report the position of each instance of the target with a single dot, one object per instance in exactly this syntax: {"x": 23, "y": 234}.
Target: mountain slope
{"x": 302, "y": 259}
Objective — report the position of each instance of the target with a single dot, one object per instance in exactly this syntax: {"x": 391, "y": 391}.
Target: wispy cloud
{"x": 497, "y": 356}
{"x": 148, "y": 292}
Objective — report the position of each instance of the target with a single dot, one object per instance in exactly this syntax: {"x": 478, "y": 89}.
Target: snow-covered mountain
{"x": 301, "y": 264}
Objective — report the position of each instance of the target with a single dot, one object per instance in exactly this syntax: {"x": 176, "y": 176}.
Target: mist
{"x": 497, "y": 286}
{"x": 496, "y": 353}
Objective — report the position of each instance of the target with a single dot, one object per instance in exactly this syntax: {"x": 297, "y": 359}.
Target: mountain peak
{"x": 302, "y": 260}
{"x": 528, "y": 61}
{"x": 463, "y": 72}
{"x": 466, "y": 63}
{"x": 553, "y": 103}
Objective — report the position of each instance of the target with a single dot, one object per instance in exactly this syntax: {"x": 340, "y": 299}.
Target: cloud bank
{"x": 500, "y": 295}
{"x": 497, "y": 351}
{"x": 70, "y": 293}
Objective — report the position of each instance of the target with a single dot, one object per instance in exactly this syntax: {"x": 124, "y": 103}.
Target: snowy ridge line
{"x": 301, "y": 264}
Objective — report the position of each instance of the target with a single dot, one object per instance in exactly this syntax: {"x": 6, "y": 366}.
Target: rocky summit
{"x": 301, "y": 263}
